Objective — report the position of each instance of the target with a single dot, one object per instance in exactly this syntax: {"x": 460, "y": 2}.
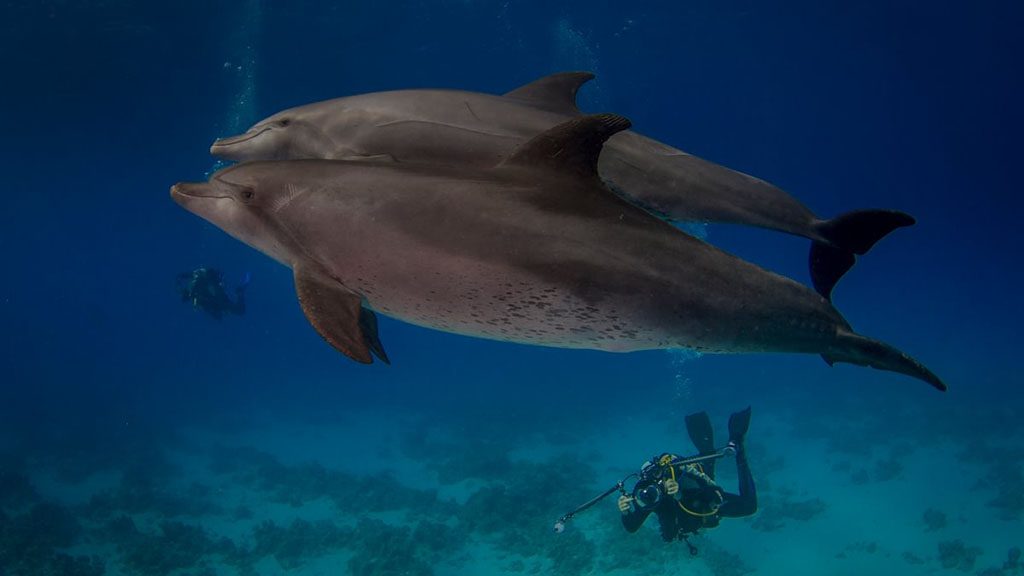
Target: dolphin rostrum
{"x": 536, "y": 250}
{"x": 469, "y": 128}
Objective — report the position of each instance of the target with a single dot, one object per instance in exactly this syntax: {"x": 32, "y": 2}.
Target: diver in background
{"x": 204, "y": 288}
{"x": 686, "y": 498}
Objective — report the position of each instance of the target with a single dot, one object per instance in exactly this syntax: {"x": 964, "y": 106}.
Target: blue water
{"x": 107, "y": 380}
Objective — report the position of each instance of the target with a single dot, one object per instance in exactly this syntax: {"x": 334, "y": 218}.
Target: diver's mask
{"x": 655, "y": 469}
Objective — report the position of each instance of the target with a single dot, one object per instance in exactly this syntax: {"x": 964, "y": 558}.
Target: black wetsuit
{"x": 676, "y": 522}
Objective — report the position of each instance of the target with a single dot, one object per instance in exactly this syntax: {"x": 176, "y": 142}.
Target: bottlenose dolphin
{"x": 536, "y": 250}
{"x": 469, "y": 128}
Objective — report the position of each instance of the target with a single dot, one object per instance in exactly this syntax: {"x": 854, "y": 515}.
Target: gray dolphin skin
{"x": 474, "y": 129}
{"x": 536, "y": 250}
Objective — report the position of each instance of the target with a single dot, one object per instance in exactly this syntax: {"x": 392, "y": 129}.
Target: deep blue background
{"x": 906, "y": 105}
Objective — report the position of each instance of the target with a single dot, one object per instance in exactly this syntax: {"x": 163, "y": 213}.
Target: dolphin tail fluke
{"x": 856, "y": 349}
{"x": 847, "y": 236}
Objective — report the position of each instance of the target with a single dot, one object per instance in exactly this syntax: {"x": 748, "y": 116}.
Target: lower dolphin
{"x": 469, "y": 128}
{"x": 536, "y": 251}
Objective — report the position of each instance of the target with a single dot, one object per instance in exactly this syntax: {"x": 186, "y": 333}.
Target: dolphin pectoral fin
{"x": 856, "y": 349}
{"x": 368, "y": 324}
{"x": 848, "y": 235}
{"x": 572, "y": 146}
{"x": 337, "y": 314}
{"x": 556, "y": 92}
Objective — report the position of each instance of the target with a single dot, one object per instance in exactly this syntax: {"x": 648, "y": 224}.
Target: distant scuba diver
{"x": 204, "y": 288}
{"x": 685, "y": 496}
{"x": 681, "y": 491}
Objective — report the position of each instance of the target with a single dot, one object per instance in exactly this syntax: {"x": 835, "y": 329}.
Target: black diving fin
{"x": 698, "y": 426}
{"x": 739, "y": 422}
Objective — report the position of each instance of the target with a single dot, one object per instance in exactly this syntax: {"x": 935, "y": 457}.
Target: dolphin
{"x": 537, "y": 250}
{"x": 469, "y": 128}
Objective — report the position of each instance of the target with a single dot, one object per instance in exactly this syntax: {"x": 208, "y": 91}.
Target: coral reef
{"x": 1011, "y": 566}
{"x": 29, "y": 543}
{"x": 45, "y": 526}
{"x": 956, "y": 554}
{"x": 722, "y": 562}
{"x": 860, "y": 477}
{"x": 384, "y": 550}
{"x": 141, "y": 492}
{"x": 1004, "y": 474}
{"x": 1007, "y": 479}
{"x": 293, "y": 545}
{"x": 149, "y": 524}
{"x": 934, "y": 519}
{"x": 484, "y": 457}
{"x": 1013, "y": 559}
{"x": 872, "y": 547}
{"x": 16, "y": 489}
{"x": 176, "y": 546}
{"x": 296, "y": 485}
{"x": 569, "y": 556}
{"x": 437, "y": 541}
{"x": 775, "y": 511}
{"x": 61, "y": 564}
{"x": 508, "y": 508}
{"x": 912, "y": 558}
{"x": 888, "y": 469}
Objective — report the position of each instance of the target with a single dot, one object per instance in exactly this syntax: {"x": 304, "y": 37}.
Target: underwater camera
{"x": 649, "y": 495}
{"x": 654, "y": 472}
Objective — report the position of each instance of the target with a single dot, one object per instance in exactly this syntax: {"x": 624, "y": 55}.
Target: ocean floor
{"x": 387, "y": 493}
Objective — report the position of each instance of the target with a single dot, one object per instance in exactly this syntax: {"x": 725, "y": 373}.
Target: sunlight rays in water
{"x": 242, "y": 52}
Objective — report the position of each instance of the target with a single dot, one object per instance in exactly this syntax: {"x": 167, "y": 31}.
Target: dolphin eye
{"x": 248, "y": 194}
{"x": 284, "y": 122}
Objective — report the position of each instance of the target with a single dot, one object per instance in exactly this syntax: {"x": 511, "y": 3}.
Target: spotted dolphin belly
{"x": 477, "y": 298}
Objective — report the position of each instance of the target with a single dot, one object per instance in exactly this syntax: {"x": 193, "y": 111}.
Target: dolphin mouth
{"x": 232, "y": 140}
{"x": 185, "y": 191}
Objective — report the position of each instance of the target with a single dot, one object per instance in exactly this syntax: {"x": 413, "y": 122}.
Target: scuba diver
{"x": 683, "y": 493}
{"x": 204, "y": 287}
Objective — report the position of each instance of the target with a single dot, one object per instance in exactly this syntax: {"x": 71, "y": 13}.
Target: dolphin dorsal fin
{"x": 573, "y": 145}
{"x": 556, "y": 92}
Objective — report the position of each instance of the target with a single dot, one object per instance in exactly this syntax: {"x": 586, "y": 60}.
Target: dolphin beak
{"x": 221, "y": 146}
{"x": 182, "y": 192}
{"x": 221, "y": 142}
{"x": 187, "y": 189}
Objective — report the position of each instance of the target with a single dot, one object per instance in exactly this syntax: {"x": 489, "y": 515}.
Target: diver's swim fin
{"x": 698, "y": 426}
{"x": 739, "y": 422}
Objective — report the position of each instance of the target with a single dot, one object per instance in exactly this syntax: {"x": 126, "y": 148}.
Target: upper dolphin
{"x": 537, "y": 250}
{"x": 470, "y": 128}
